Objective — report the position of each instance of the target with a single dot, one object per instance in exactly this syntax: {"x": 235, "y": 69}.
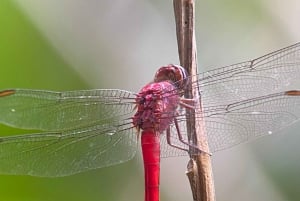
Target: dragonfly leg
{"x": 184, "y": 142}
{"x": 188, "y": 102}
{"x": 168, "y": 132}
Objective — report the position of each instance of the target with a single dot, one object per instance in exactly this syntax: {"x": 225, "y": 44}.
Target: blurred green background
{"x": 68, "y": 45}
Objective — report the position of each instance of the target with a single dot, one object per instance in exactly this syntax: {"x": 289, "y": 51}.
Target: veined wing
{"x": 64, "y": 153}
{"x": 55, "y": 111}
{"x": 246, "y": 100}
{"x": 272, "y": 73}
{"x": 239, "y": 122}
{"x": 87, "y": 130}
{"x": 249, "y": 99}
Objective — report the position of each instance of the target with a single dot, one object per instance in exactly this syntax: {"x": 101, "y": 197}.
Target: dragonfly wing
{"x": 85, "y": 130}
{"x": 238, "y": 104}
{"x": 244, "y": 101}
{"x": 236, "y": 123}
{"x": 247, "y": 120}
{"x": 275, "y": 72}
{"x": 64, "y": 153}
{"x": 55, "y": 111}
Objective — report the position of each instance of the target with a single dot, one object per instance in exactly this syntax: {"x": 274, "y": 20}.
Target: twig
{"x": 199, "y": 170}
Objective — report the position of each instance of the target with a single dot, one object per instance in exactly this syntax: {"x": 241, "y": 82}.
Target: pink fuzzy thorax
{"x": 156, "y": 106}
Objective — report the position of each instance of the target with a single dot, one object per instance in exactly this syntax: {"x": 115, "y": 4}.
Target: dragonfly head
{"x": 173, "y": 73}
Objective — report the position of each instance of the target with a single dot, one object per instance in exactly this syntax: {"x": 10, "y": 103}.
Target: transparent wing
{"x": 240, "y": 122}
{"x": 60, "y": 154}
{"x": 55, "y": 111}
{"x": 247, "y": 120}
{"x": 244, "y": 101}
{"x": 275, "y": 72}
{"x": 99, "y": 133}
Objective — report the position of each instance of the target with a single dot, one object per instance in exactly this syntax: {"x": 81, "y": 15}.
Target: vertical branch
{"x": 199, "y": 170}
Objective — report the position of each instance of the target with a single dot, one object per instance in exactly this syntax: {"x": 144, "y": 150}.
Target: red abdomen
{"x": 151, "y": 158}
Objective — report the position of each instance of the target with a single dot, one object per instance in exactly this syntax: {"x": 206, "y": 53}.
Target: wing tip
{"x": 7, "y": 92}
{"x": 292, "y": 93}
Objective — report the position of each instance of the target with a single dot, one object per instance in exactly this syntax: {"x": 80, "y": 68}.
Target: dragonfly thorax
{"x": 156, "y": 106}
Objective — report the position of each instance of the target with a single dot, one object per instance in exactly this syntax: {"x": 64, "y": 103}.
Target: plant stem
{"x": 199, "y": 170}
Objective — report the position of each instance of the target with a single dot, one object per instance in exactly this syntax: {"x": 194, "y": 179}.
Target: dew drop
{"x": 12, "y": 110}
{"x": 110, "y": 133}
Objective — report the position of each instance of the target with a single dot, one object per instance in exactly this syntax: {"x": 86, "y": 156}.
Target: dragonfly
{"x": 88, "y": 129}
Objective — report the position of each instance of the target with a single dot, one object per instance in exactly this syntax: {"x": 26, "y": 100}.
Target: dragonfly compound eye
{"x": 174, "y": 73}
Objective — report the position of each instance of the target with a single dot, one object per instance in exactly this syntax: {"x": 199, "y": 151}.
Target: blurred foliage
{"x": 27, "y": 60}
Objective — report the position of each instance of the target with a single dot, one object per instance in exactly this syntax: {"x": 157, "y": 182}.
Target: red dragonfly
{"x": 90, "y": 129}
